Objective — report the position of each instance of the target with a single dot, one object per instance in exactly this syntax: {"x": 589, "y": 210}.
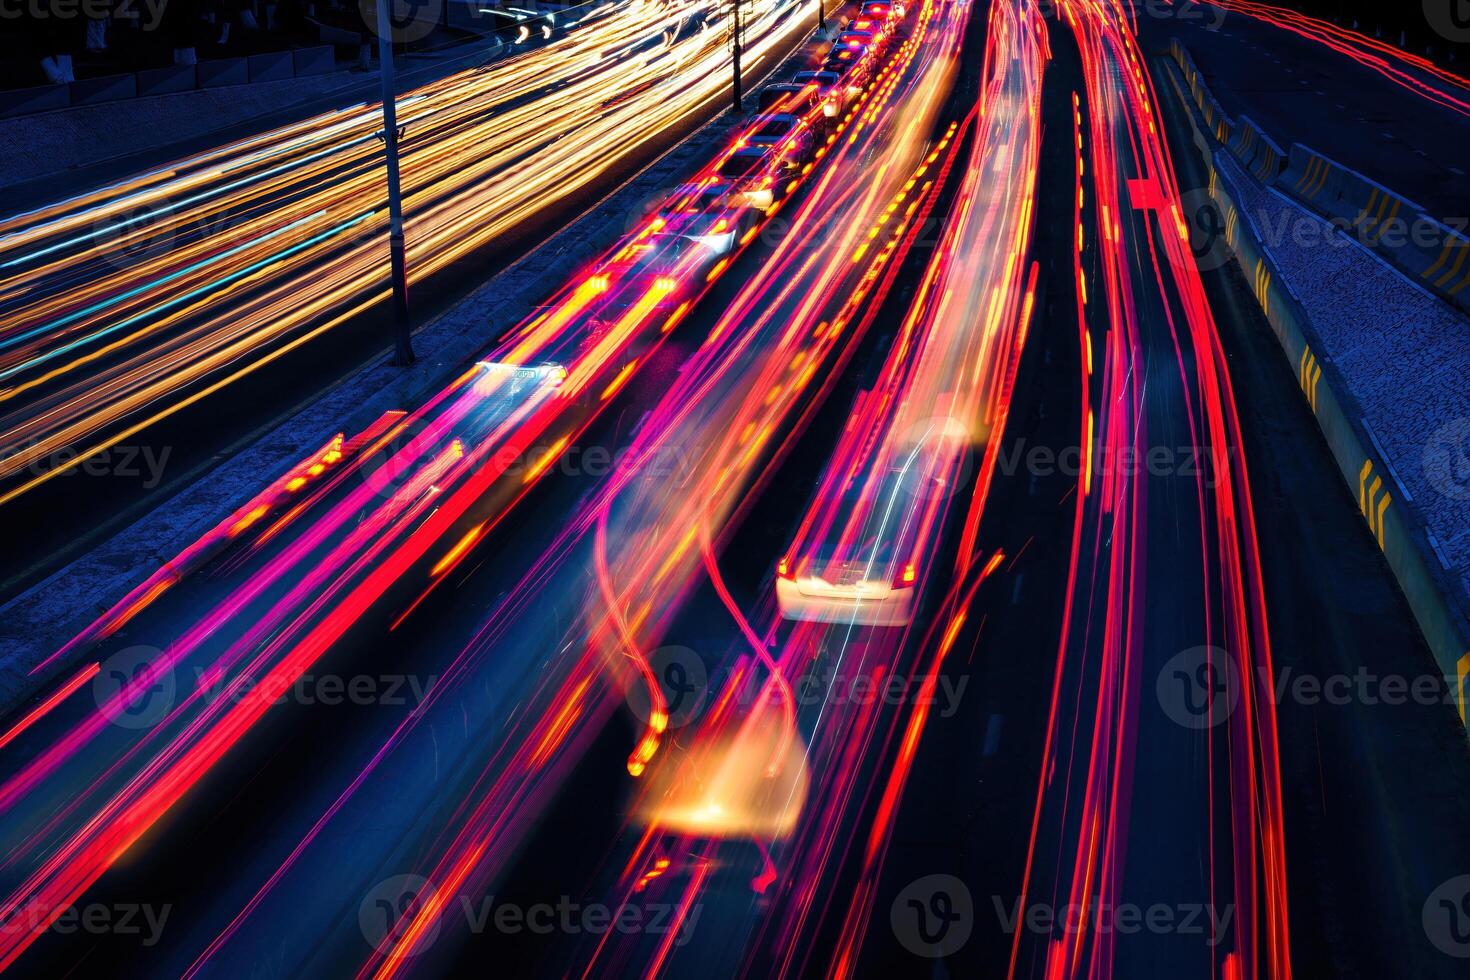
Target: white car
{"x": 865, "y": 593}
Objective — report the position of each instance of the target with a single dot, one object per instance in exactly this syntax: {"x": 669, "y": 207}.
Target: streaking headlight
{"x": 497, "y": 376}
{"x": 719, "y": 244}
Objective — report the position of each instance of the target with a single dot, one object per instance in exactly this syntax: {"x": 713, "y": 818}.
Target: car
{"x": 863, "y": 590}
{"x": 716, "y": 231}
{"x": 693, "y": 198}
{"x": 783, "y": 132}
{"x": 860, "y": 40}
{"x": 797, "y": 99}
{"x": 856, "y": 557}
{"x": 755, "y": 176}
{"x": 696, "y": 228}
{"x": 875, "y": 26}
{"x": 829, "y": 86}
{"x": 884, "y": 9}
{"x": 851, "y": 65}
{"x": 854, "y": 77}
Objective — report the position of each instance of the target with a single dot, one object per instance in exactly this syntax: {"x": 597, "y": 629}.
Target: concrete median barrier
{"x": 1427, "y": 251}
{"x": 1388, "y": 510}
{"x": 1310, "y": 177}
{"x": 1256, "y": 151}
{"x": 1444, "y": 266}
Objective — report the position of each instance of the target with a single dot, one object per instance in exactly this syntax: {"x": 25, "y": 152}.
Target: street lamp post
{"x": 735, "y": 57}
{"x": 821, "y": 16}
{"x": 402, "y": 340}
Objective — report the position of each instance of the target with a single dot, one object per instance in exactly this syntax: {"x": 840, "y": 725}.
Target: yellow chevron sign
{"x": 1309, "y": 375}
{"x": 1263, "y": 286}
{"x": 1380, "y": 201}
{"x": 1461, "y": 669}
{"x": 1445, "y": 269}
{"x": 1314, "y": 179}
{"x": 1372, "y": 506}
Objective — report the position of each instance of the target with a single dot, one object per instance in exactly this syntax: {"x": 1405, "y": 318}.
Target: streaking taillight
{"x": 907, "y": 576}
{"x": 783, "y": 569}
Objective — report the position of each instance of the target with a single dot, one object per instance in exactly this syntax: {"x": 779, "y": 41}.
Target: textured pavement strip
{"x": 1403, "y": 354}
{"x": 150, "y": 131}
{"x": 47, "y": 143}
{"x": 42, "y": 619}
